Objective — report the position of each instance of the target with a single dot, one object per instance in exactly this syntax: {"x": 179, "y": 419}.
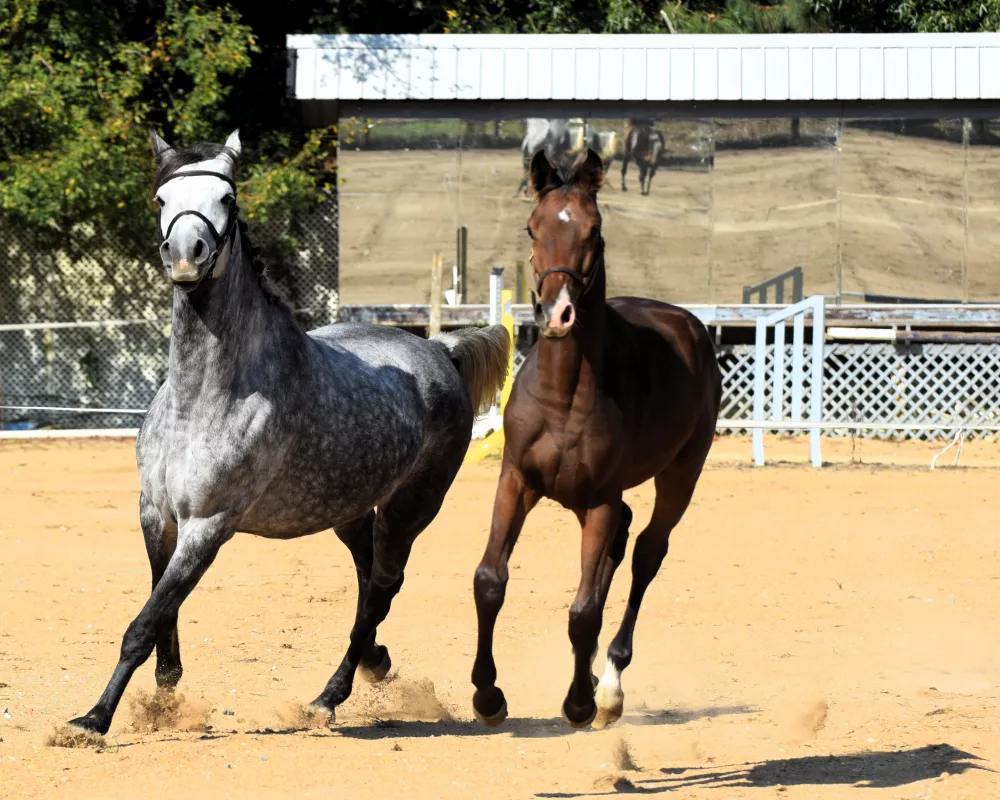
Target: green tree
{"x": 82, "y": 88}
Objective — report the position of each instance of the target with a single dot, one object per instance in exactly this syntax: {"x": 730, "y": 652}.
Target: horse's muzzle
{"x": 555, "y": 320}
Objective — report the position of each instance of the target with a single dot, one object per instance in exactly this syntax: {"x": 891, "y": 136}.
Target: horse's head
{"x": 196, "y": 193}
{"x": 567, "y": 251}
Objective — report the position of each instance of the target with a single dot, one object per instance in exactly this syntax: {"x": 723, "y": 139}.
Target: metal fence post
{"x": 759, "y": 357}
{"x": 816, "y": 409}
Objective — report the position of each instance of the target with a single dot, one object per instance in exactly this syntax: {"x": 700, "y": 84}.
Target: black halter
{"x": 585, "y": 281}
{"x": 220, "y": 240}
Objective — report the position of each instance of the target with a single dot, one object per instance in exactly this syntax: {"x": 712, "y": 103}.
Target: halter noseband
{"x": 585, "y": 281}
{"x": 220, "y": 241}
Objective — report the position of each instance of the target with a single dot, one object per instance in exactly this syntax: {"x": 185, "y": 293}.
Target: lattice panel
{"x": 952, "y": 384}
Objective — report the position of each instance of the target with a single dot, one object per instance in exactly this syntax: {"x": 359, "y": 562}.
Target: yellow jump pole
{"x": 495, "y": 441}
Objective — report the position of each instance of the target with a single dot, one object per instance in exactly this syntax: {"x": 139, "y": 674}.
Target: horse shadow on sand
{"x": 868, "y": 770}
{"x": 518, "y": 727}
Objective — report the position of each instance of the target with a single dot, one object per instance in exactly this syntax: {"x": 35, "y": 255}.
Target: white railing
{"x": 817, "y": 306}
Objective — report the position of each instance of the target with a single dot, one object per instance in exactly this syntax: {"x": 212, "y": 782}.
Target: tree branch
{"x": 666, "y": 18}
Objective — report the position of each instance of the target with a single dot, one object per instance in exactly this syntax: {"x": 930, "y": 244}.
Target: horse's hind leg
{"x": 198, "y": 542}
{"x": 674, "y": 488}
{"x": 161, "y": 541}
{"x": 649, "y": 177}
{"x": 397, "y": 524}
{"x": 643, "y": 171}
{"x": 358, "y": 535}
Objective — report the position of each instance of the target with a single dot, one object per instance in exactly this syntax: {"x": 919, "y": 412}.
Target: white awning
{"x": 646, "y": 67}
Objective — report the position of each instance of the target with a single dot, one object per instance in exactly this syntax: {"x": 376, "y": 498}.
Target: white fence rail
{"x": 816, "y": 306}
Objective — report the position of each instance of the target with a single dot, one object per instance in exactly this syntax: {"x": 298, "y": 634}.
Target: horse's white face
{"x": 192, "y": 247}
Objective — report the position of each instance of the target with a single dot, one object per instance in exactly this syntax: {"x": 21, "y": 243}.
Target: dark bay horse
{"x": 264, "y": 429}
{"x": 646, "y": 146}
{"x": 614, "y": 393}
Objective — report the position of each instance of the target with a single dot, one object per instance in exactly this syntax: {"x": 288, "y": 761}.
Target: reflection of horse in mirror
{"x": 562, "y": 141}
{"x": 614, "y": 393}
{"x": 646, "y": 146}
{"x": 550, "y": 135}
{"x": 263, "y": 428}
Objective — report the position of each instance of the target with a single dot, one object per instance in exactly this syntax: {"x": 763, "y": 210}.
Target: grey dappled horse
{"x": 264, "y": 429}
{"x": 551, "y": 135}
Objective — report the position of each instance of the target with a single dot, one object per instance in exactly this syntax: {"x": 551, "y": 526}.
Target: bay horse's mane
{"x": 208, "y": 151}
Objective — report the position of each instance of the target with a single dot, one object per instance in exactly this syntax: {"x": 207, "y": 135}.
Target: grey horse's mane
{"x": 207, "y": 151}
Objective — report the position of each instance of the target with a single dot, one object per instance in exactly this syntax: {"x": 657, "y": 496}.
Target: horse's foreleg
{"x": 511, "y": 506}
{"x": 198, "y": 543}
{"x": 625, "y": 160}
{"x": 673, "y": 494}
{"x": 161, "y": 541}
{"x": 358, "y": 535}
{"x": 601, "y": 532}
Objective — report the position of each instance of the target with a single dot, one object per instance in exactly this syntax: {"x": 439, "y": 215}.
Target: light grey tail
{"x": 480, "y": 355}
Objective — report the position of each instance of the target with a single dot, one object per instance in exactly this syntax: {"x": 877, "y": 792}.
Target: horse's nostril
{"x": 567, "y": 315}
{"x": 199, "y": 248}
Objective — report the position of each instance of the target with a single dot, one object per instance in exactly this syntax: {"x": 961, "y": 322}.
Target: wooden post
{"x": 461, "y": 258}
{"x": 437, "y": 266}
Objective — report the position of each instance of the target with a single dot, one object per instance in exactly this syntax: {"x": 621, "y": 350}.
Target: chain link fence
{"x": 85, "y": 322}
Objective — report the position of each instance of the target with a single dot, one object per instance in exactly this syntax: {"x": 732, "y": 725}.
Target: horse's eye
{"x": 530, "y": 234}
{"x": 228, "y": 200}
{"x": 158, "y": 200}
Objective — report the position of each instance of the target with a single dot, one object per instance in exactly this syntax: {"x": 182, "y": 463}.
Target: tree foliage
{"x": 82, "y": 87}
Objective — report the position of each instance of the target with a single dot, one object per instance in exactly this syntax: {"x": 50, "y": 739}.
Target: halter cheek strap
{"x": 584, "y": 280}
{"x": 220, "y": 240}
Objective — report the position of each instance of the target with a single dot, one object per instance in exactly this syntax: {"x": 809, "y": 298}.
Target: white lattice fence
{"x": 952, "y": 384}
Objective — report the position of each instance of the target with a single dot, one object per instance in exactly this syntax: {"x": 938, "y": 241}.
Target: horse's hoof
{"x": 89, "y": 724}
{"x": 319, "y": 707}
{"x": 490, "y": 713}
{"x": 606, "y": 716}
{"x": 579, "y": 721}
{"x": 378, "y": 673}
{"x": 493, "y": 720}
{"x": 610, "y": 703}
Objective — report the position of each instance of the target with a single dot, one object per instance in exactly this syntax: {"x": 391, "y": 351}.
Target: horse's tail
{"x": 480, "y": 355}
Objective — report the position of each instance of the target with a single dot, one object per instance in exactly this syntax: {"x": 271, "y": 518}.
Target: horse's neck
{"x": 221, "y": 329}
{"x": 570, "y": 367}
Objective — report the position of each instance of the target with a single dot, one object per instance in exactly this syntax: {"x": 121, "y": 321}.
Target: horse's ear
{"x": 161, "y": 150}
{"x": 233, "y": 142}
{"x": 543, "y": 175}
{"x": 588, "y": 172}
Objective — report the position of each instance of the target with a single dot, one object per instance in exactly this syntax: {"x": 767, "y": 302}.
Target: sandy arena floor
{"x": 812, "y": 632}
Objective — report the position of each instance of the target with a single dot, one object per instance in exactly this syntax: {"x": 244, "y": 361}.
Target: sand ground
{"x": 814, "y": 633}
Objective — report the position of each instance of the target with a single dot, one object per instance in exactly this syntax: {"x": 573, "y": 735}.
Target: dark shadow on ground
{"x": 526, "y": 728}
{"x": 871, "y": 769}
{"x": 518, "y": 727}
